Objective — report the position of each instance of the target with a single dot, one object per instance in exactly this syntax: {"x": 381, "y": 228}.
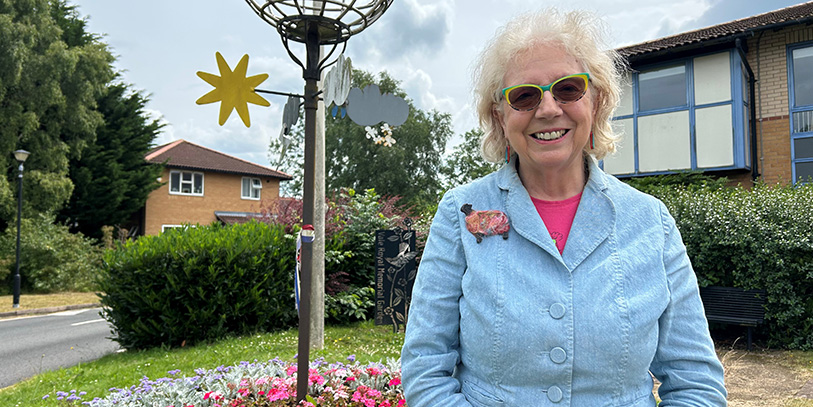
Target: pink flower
{"x": 373, "y": 371}
{"x": 401, "y": 403}
{"x": 290, "y": 370}
{"x": 395, "y": 381}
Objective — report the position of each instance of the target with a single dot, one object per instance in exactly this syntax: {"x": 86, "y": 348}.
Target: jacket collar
{"x": 594, "y": 221}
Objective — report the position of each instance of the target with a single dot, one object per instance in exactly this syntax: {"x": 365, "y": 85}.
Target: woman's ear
{"x": 498, "y": 117}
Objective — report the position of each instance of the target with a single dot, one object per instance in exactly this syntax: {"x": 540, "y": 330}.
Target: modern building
{"x": 734, "y": 99}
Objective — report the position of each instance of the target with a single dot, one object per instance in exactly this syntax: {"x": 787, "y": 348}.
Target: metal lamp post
{"x": 314, "y": 23}
{"x": 21, "y": 156}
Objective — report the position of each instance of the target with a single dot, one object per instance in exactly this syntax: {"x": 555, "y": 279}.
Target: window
{"x": 687, "y": 114}
{"x": 662, "y": 88}
{"x": 186, "y": 183}
{"x": 251, "y": 188}
{"x": 164, "y": 228}
{"x": 801, "y": 107}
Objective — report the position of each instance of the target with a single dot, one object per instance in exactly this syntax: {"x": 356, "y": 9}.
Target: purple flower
{"x": 174, "y": 372}
{"x": 351, "y": 358}
{"x": 46, "y": 396}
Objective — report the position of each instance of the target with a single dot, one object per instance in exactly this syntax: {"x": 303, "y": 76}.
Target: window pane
{"x": 803, "y": 147}
{"x": 803, "y": 121}
{"x": 245, "y": 190}
{"x": 662, "y": 88}
{"x": 174, "y": 182}
{"x": 714, "y": 139}
{"x": 804, "y": 172}
{"x": 712, "y": 78}
{"x": 663, "y": 142}
{"x": 198, "y": 183}
{"x": 803, "y": 76}
{"x": 187, "y": 176}
{"x": 256, "y": 183}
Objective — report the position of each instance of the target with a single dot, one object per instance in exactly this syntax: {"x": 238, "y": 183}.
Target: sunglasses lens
{"x": 569, "y": 89}
{"x": 524, "y": 97}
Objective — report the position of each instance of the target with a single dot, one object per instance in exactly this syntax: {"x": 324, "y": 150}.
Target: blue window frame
{"x": 800, "y": 85}
{"x": 680, "y": 115}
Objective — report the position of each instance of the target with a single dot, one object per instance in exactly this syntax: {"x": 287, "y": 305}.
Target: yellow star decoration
{"x": 233, "y": 89}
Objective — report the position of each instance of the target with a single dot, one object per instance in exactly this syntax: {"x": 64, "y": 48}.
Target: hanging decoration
{"x": 233, "y": 89}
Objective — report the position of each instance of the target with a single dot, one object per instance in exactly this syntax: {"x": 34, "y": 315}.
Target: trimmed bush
{"x": 199, "y": 284}
{"x": 759, "y": 238}
{"x": 52, "y": 259}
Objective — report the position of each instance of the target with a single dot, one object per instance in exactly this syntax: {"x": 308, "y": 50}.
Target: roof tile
{"x": 799, "y": 13}
{"x": 186, "y": 155}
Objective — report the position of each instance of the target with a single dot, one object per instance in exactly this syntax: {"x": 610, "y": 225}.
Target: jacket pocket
{"x": 479, "y": 397}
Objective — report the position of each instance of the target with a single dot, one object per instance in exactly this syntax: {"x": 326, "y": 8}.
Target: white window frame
{"x": 255, "y": 186}
{"x": 164, "y": 228}
{"x": 192, "y": 175}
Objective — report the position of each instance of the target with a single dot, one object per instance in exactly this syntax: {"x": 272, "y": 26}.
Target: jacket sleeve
{"x": 685, "y": 362}
{"x": 431, "y": 345}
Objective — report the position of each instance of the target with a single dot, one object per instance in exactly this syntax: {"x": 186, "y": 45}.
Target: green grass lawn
{"x": 369, "y": 343}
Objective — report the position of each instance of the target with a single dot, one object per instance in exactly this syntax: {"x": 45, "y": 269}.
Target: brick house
{"x": 734, "y": 99}
{"x": 201, "y": 186}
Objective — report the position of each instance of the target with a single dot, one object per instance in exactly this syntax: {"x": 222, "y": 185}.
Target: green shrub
{"x": 355, "y": 304}
{"x": 692, "y": 180}
{"x": 199, "y": 284}
{"x": 52, "y": 259}
{"x": 760, "y": 238}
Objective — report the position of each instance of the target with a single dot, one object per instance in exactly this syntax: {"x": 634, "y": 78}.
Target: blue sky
{"x": 428, "y": 45}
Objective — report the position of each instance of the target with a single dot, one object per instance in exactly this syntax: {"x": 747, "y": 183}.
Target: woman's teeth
{"x": 549, "y": 136}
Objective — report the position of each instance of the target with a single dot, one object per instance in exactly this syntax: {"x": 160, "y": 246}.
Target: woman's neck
{"x": 554, "y": 184}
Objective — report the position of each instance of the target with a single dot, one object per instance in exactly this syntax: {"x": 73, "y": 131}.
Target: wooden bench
{"x": 734, "y": 306}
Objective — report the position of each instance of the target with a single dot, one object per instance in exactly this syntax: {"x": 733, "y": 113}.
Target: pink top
{"x": 558, "y": 217}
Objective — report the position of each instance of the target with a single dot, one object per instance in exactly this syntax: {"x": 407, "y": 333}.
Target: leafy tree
{"x": 466, "y": 163}
{"x": 51, "y": 74}
{"x": 409, "y": 168}
{"x": 114, "y": 167}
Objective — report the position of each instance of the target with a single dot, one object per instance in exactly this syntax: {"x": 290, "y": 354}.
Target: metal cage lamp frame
{"x": 314, "y": 23}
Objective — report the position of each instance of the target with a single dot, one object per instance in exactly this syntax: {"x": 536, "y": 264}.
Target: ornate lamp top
{"x": 338, "y": 20}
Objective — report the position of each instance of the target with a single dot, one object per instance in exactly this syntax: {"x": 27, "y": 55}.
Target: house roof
{"x": 185, "y": 155}
{"x": 774, "y": 19}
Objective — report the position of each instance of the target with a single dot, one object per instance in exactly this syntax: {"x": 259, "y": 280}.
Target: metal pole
{"x": 16, "y": 299}
{"x": 311, "y": 76}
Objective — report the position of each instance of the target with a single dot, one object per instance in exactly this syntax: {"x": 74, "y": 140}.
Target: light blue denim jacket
{"x": 514, "y": 323}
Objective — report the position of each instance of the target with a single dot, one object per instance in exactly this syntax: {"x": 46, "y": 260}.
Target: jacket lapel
{"x": 594, "y": 221}
{"x": 522, "y": 212}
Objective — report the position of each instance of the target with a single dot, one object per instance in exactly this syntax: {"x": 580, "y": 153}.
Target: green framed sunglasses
{"x": 567, "y": 89}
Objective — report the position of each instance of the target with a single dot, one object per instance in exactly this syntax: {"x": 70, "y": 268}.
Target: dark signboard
{"x": 395, "y": 270}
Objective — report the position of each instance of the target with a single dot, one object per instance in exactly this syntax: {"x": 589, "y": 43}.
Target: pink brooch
{"x": 485, "y": 223}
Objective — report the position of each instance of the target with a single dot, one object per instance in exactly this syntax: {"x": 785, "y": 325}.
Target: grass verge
{"x": 32, "y": 301}
{"x": 369, "y": 343}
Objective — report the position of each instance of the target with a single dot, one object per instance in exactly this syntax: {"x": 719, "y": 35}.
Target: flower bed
{"x": 269, "y": 384}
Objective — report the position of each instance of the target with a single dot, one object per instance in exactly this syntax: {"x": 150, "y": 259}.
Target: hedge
{"x": 760, "y": 238}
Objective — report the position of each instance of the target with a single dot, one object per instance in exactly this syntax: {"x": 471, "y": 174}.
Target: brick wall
{"x": 221, "y": 192}
{"x": 767, "y": 55}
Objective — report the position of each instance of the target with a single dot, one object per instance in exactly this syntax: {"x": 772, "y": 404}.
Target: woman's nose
{"x": 548, "y": 107}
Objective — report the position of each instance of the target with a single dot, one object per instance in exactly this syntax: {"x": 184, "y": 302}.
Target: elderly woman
{"x": 549, "y": 282}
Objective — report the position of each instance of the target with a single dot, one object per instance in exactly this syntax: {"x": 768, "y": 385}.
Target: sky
{"x": 428, "y": 45}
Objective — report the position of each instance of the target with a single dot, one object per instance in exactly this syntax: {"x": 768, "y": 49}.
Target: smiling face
{"x": 549, "y": 139}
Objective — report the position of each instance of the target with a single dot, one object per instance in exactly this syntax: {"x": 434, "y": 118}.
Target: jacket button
{"x": 558, "y": 355}
{"x": 557, "y": 311}
{"x": 555, "y": 394}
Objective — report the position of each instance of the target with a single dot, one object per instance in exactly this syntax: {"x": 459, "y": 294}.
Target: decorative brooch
{"x": 485, "y": 223}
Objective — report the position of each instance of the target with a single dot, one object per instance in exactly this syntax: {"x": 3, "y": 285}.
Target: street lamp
{"x": 21, "y": 156}
{"x": 313, "y": 23}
